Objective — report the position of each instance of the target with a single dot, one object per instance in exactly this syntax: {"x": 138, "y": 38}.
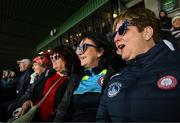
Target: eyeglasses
{"x": 54, "y": 57}
{"x": 83, "y": 48}
{"x": 123, "y": 28}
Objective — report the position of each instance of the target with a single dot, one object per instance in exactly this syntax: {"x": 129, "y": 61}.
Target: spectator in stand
{"x": 8, "y": 85}
{"x": 24, "y": 80}
{"x": 21, "y": 84}
{"x": 148, "y": 88}
{"x": 167, "y": 28}
{"x": 165, "y": 21}
{"x": 4, "y": 80}
{"x": 7, "y": 93}
{"x": 175, "y": 30}
{"x": 82, "y": 97}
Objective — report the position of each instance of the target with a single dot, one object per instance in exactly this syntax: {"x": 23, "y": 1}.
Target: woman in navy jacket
{"x": 148, "y": 89}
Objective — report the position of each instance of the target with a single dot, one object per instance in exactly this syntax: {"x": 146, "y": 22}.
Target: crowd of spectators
{"x": 135, "y": 77}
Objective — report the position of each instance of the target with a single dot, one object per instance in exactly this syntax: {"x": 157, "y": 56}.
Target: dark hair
{"x": 101, "y": 42}
{"x": 165, "y": 14}
{"x": 72, "y": 62}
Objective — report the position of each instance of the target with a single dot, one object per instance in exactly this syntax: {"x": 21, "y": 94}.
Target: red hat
{"x": 43, "y": 61}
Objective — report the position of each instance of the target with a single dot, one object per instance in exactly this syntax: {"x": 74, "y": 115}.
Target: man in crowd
{"x": 21, "y": 85}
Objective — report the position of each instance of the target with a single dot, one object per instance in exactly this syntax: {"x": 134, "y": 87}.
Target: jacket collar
{"x": 95, "y": 70}
{"x": 151, "y": 56}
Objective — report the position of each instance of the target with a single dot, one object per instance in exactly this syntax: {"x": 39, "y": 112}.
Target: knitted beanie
{"x": 176, "y": 16}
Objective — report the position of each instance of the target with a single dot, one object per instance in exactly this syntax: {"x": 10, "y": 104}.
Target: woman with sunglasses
{"x": 66, "y": 63}
{"x": 148, "y": 88}
{"x": 82, "y": 98}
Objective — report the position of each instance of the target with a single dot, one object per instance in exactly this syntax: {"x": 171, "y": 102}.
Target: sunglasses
{"x": 54, "y": 57}
{"x": 83, "y": 48}
{"x": 123, "y": 28}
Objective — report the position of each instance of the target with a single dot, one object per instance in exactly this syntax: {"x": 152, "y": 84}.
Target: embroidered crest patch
{"x": 100, "y": 80}
{"x": 114, "y": 89}
{"x": 167, "y": 82}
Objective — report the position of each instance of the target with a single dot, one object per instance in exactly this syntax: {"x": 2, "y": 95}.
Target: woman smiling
{"x": 82, "y": 97}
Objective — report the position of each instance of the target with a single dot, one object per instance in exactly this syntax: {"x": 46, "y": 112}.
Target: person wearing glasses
{"x": 148, "y": 88}
{"x": 65, "y": 62}
{"x": 82, "y": 98}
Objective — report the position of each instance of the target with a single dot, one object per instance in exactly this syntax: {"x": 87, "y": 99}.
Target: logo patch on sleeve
{"x": 167, "y": 82}
{"x": 114, "y": 89}
{"x": 101, "y": 80}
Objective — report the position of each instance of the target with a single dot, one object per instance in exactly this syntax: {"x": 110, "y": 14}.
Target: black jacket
{"x": 148, "y": 89}
{"x": 65, "y": 109}
{"x": 24, "y": 82}
{"x": 39, "y": 80}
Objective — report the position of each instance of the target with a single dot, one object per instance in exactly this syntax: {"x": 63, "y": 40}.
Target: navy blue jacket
{"x": 23, "y": 83}
{"x": 148, "y": 89}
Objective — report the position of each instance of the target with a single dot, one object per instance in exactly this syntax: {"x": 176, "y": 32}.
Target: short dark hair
{"x": 101, "y": 41}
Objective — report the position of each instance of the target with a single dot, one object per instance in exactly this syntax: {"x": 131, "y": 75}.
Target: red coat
{"x": 46, "y": 109}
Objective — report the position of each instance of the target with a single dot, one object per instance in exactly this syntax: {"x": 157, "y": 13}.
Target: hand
{"x": 26, "y": 105}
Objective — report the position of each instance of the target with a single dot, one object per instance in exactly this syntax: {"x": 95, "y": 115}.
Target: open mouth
{"x": 121, "y": 46}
